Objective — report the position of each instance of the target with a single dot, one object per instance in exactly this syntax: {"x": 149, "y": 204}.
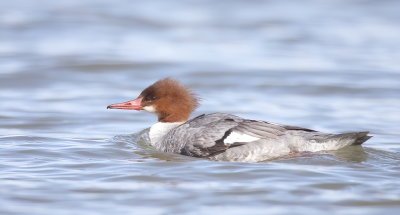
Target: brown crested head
{"x": 170, "y": 100}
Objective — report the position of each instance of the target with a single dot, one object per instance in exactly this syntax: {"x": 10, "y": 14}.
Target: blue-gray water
{"x": 327, "y": 65}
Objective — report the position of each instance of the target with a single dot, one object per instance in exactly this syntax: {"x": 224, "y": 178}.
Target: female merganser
{"x": 224, "y": 137}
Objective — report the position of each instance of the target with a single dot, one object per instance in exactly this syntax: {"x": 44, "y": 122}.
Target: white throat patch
{"x": 149, "y": 109}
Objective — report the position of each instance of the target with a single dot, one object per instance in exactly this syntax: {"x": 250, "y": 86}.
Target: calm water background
{"x": 327, "y": 65}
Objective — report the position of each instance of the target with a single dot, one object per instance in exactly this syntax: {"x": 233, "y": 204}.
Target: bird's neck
{"x": 159, "y": 130}
{"x": 171, "y": 117}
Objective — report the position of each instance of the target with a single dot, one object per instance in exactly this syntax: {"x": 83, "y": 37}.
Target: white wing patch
{"x": 235, "y": 137}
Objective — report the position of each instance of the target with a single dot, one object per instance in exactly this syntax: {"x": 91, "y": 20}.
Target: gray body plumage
{"x": 226, "y": 137}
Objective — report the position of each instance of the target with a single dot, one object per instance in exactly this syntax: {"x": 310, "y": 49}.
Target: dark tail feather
{"x": 358, "y": 137}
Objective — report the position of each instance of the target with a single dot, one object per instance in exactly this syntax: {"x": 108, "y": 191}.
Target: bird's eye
{"x": 151, "y": 98}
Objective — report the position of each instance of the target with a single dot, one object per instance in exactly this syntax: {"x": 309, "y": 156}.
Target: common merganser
{"x": 224, "y": 137}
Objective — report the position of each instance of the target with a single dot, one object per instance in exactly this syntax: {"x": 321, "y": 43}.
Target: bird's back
{"x": 231, "y": 138}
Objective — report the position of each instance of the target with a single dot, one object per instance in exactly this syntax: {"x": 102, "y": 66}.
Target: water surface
{"x": 326, "y": 65}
